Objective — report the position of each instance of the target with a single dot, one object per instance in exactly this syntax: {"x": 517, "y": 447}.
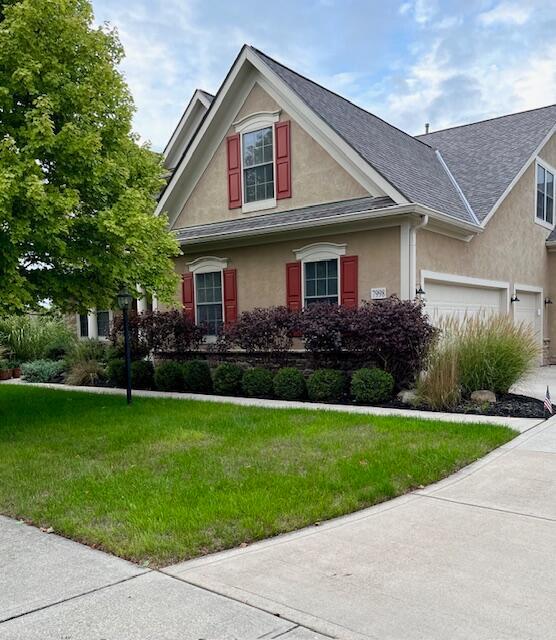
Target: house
{"x": 282, "y": 192}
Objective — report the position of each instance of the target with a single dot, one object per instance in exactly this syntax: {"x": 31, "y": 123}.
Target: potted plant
{"x": 15, "y": 366}
{"x": 5, "y": 371}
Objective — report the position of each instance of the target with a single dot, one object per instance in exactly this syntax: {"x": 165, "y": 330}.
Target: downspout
{"x": 413, "y": 254}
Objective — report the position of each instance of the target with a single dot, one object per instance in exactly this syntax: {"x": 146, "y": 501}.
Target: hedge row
{"x": 367, "y": 386}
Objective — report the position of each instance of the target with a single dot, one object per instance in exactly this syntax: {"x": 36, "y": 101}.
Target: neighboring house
{"x": 284, "y": 193}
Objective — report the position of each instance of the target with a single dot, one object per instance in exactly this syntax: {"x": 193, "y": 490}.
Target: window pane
{"x": 208, "y": 291}
{"x": 321, "y": 282}
{"x": 258, "y": 165}
{"x": 84, "y": 326}
{"x": 540, "y": 205}
{"x": 103, "y": 324}
{"x": 549, "y": 213}
{"x": 259, "y": 183}
{"x": 540, "y": 178}
{"x": 549, "y": 185}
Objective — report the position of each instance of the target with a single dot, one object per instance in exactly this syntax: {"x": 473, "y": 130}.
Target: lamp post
{"x": 124, "y": 302}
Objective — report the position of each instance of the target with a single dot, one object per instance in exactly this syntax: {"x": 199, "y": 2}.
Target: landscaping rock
{"x": 408, "y": 396}
{"x": 483, "y": 396}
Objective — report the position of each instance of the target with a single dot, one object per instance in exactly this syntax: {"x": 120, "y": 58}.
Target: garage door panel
{"x": 445, "y": 300}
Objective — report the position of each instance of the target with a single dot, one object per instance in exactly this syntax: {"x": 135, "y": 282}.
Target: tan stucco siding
{"x": 316, "y": 176}
{"x": 261, "y": 270}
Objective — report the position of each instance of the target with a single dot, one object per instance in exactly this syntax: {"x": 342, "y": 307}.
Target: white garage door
{"x": 528, "y": 311}
{"x": 443, "y": 299}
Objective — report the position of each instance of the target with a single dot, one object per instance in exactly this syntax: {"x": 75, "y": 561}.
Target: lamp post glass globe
{"x": 124, "y": 299}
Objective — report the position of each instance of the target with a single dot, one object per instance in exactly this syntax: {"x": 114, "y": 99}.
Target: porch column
{"x": 92, "y": 323}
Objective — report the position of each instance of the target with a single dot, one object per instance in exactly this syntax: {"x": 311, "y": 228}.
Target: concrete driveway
{"x": 535, "y": 384}
{"x": 471, "y": 557}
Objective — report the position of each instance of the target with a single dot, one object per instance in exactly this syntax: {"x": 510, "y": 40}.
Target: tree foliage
{"x": 77, "y": 192}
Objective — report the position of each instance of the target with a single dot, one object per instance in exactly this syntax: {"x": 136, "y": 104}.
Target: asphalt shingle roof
{"x": 276, "y": 220}
{"x": 410, "y": 165}
{"x": 484, "y": 157}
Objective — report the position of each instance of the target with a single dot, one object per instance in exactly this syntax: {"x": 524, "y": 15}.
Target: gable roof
{"x": 410, "y": 165}
{"x": 485, "y": 157}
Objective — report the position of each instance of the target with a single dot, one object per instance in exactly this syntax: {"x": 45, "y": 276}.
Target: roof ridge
{"x": 470, "y": 124}
{"x": 334, "y": 93}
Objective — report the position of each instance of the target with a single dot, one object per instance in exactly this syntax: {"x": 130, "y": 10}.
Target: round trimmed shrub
{"x": 115, "y": 370}
{"x": 196, "y": 377}
{"x": 289, "y": 384}
{"x": 168, "y": 376}
{"x": 370, "y": 386}
{"x": 326, "y": 385}
{"x": 257, "y": 383}
{"x": 227, "y": 379}
{"x": 142, "y": 374}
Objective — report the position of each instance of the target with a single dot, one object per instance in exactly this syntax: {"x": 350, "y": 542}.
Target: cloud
{"x": 506, "y": 13}
{"x": 422, "y": 11}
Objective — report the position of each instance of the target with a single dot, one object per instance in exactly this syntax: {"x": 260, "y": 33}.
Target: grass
{"x": 166, "y": 480}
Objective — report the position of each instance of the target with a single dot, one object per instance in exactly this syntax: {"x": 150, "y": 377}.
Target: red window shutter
{"x": 233, "y": 146}
{"x": 348, "y": 275}
{"x": 283, "y": 160}
{"x": 188, "y": 295}
{"x": 230, "y": 296}
{"x": 293, "y": 286}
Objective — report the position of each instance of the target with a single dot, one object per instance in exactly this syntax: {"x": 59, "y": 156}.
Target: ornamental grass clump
{"x": 439, "y": 386}
{"x": 494, "y": 352}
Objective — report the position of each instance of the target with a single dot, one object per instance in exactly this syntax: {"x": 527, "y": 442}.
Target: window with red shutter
{"x": 293, "y": 286}
{"x": 348, "y": 281}
{"x": 283, "y": 160}
{"x": 230, "y": 295}
{"x": 233, "y": 146}
{"x": 188, "y": 295}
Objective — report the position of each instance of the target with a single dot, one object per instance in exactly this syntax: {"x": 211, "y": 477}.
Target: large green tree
{"x": 77, "y": 191}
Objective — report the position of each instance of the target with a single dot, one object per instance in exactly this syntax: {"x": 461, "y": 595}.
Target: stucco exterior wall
{"x": 510, "y": 249}
{"x": 316, "y": 176}
{"x": 261, "y": 270}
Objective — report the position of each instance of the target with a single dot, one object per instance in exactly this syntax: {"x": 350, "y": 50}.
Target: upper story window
{"x": 258, "y": 165}
{"x": 545, "y": 195}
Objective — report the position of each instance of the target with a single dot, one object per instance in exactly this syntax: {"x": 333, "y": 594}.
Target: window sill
{"x": 544, "y": 224}
{"x": 258, "y": 205}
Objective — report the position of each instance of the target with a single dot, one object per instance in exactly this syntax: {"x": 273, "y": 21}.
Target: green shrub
{"x": 227, "y": 379}
{"x": 43, "y": 370}
{"x": 4, "y": 364}
{"x": 28, "y": 338}
{"x": 196, "y": 377}
{"x": 142, "y": 374}
{"x": 439, "y": 387}
{"x": 168, "y": 376}
{"x": 493, "y": 352}
{"x": 257, "y": 383}
{"x": 86, "y": 373}
{"x": 326, "y": 385}
{"x": 289, "y": 384}
{"x": 87, "y": 349}
{"x": 115, "y": 370}
{"x": 371, "y": 386}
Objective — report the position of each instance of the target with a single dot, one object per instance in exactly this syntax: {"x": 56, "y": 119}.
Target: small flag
{"x": 548, "y": 402}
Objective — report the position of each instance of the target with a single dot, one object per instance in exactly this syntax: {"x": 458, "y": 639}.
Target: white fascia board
{"x": 519, "y": 174}
{"x": 198, "y": 97}
{"x": 333, "y": 143}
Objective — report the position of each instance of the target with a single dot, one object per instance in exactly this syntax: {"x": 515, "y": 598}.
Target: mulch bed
{"x": 508, "y": 405}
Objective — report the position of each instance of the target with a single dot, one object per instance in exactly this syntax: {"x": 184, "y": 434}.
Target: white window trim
{"x": 208, "y": 264}
{"x": 318, "y": 252}
{"x": 552, "y": 170}
{"x": 254, "y": 122}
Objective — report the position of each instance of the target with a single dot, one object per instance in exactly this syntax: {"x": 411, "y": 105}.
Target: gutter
{"x": 372, "y": 214}
{"x": 413, "y": 254}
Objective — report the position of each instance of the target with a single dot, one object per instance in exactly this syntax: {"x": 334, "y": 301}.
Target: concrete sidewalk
{"x": 470, "y": 557}
{"x": 53, "y": 589}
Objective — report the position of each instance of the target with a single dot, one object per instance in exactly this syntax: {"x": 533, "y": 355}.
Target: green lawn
{"x": 166, "y": 480}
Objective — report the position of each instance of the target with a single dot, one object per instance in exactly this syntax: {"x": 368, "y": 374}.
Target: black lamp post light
{"x": 125, "y": 299}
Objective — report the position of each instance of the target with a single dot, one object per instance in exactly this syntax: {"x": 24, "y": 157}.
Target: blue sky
{"x": 409, "y": 61}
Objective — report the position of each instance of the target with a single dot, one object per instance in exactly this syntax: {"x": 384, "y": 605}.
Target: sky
{"x": 445, "y": 62}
